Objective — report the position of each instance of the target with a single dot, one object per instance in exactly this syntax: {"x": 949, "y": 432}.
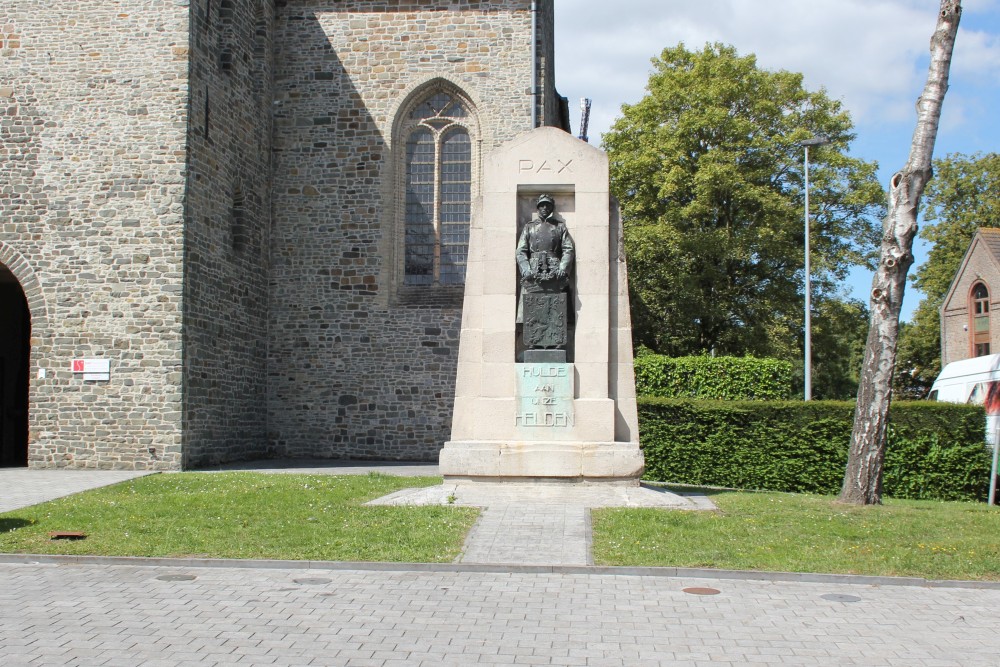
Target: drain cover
{"x": 697, "y": 590}
{"x": 177, "y": 577}
{"x": 312, "y": 581}
{"x": 67, "y": 535}
{"x": 840, "y": 597}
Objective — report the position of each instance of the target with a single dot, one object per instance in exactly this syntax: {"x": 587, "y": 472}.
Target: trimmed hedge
{"x": 936, "y": 450}
{"x": 716, "y": 378}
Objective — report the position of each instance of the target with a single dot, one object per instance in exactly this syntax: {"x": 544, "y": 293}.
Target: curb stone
{"x": 498, "y": 568}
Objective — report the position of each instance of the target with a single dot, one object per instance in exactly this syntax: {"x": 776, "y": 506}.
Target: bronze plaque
{"x": 544, "y": 320}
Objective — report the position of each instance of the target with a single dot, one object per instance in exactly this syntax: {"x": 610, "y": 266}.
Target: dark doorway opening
{"x": 15, "y": 350}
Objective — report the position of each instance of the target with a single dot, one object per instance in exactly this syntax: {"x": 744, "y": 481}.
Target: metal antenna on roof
{"x": 584, "y": 117}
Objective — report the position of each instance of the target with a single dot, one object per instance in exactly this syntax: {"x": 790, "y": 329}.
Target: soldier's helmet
{"x": 545, "y": 198}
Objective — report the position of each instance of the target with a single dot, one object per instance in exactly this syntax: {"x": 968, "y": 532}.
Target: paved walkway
{"x": 537, "y": 524}
{"x": 103, "y": 615}
{"x": 21, "y": 487}
{"x": 530, "y": 534}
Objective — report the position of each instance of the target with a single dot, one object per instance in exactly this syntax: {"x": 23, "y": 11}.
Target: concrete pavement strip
{"x": 499, "y": 568}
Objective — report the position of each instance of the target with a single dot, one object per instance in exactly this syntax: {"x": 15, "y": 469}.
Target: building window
{"x": 238, "y": 221}
{"x": 438, "y": 190}
{"x": 980, "y": 312}
{"x": 208, "y": 112}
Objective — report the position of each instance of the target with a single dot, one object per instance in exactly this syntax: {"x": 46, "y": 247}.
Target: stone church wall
{"x": 227, "y": 242}
{"x": 93, "y": 114}
{"x": 355, "y": 371}
{"x": 205, "y": 192}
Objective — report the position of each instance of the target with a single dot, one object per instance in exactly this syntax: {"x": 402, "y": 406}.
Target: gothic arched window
{"x": 980, "y": 313}
{"x": 437, "y": 167}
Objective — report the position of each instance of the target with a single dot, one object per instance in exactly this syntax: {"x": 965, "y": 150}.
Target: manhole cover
{"x": 177, "y": 577}
{"x": 312, "y": 581}
{"x": 697, "y": 590}
{"x": 840, "y": 597}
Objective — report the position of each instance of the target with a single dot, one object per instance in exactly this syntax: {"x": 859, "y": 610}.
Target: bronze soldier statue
{"x": 545, "y": 261}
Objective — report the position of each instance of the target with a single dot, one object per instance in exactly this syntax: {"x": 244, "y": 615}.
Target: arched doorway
{"x": 15, "y": 349}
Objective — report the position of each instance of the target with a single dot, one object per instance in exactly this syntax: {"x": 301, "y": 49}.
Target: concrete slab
{"x": 331, "y": 467}
{"x": 583, "y": 495}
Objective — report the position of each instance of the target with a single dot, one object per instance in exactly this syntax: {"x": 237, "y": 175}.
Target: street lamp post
{"x": 818, "y": 140}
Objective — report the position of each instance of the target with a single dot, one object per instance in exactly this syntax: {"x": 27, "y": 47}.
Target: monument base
{"x": 581, "y": 461}
{"x": 545, "y": 356}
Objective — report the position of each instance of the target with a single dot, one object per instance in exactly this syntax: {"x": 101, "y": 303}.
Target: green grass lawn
{"x": 320, "y": 517}
{"x": 244, "y": 515}
{"x": 808, "y": 533}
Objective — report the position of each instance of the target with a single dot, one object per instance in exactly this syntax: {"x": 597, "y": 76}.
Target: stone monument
{"x": 545, "y": 386}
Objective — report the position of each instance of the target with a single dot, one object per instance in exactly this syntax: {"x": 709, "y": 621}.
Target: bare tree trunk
{"x": 863, "y": 478}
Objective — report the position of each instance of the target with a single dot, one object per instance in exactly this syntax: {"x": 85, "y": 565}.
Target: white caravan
{"x": 975, "y": 381}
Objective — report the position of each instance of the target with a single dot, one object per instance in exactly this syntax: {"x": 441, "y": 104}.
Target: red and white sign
{"x": 91, "y": 365}
{"x": 93, "y": 369}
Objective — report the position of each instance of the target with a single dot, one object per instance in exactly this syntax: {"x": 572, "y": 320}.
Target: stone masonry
{"x": 93, "y": 117}
{"x": 206, "y": 192}
{"x": 354, "y": 371}
{"x": 227, "y": 231}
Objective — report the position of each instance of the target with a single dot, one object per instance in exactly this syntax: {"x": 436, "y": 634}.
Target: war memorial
{"x": 545, "y": 382}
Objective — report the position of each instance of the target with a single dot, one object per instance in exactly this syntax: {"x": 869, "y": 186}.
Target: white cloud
{"x": 871, "y": 54}
{"x": 977, "y": 54}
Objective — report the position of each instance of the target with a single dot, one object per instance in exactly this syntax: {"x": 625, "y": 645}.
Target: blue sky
{"x": 870, "y": 54}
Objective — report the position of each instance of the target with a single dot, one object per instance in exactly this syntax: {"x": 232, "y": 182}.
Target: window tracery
{"x": 438, "y": 136}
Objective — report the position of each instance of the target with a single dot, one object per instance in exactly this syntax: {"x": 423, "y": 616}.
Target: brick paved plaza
{"x": 76, "y": 614}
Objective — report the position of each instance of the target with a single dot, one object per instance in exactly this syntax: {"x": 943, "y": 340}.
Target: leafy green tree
{"x": 709, "y": 174}
{"x": 963, "y": 196}
{"x": 918, "y": 359}
{"x": 840, "y": 327}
